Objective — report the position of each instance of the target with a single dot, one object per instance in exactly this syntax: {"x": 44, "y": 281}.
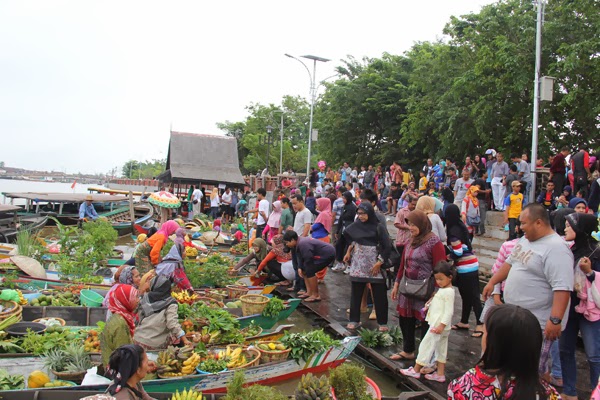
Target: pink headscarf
{"x": 324, "y": 218}
{"x": 275, "y": 217}
{"x": 169, "y": 228}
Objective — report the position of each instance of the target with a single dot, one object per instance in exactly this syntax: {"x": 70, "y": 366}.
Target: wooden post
{"x": 131, "y": 212}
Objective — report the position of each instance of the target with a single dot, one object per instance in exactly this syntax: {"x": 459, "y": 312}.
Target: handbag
{"x": 418, "y": 289}
{"x": 474, "y": 220}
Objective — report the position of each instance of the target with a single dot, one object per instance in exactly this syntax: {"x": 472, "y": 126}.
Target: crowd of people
{"x": 541, "y": 291}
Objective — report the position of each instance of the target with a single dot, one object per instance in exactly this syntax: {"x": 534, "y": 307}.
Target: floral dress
{"x": 363, "y": 259}
{"x": 476, "y": 384}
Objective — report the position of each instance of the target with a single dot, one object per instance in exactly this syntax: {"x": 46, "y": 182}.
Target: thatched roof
{"x": 209, "y": 159}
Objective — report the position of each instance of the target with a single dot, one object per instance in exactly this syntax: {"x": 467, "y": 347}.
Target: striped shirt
{"x": 338, "y": 207}
{"x": 503, "y": 253}
{"x": 467, "y": 261}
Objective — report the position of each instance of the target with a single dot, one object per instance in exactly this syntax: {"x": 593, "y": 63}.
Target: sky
{"x": 87, "y": 85}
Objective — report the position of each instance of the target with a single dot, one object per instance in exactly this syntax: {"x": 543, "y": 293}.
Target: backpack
{"x": 473, "y": 217}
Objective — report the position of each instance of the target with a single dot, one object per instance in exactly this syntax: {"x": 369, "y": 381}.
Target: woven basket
{"x": 16, "y": 309}
{"x": 235, "y": 292}
{"x": 76, "y": 377}
{"x": 62, "y": 321}
{"x": 253, "y": 304}
{"x": 209, "y": 301}
{"x": 216, "y": 294}
{"x": 251, "y": 354}
{"x": 267, "y": 356}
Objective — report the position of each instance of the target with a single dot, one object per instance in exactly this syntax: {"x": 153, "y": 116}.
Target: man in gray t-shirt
{"x": 538, "y": 273}
{"x": 461, "y": 186}
{"x": 303, "y": 218}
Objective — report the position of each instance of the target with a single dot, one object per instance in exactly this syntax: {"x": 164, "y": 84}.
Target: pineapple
{"x": 396, "y": 334}
{"x": 369, "y": 337}
{"x": 313, "y": 388}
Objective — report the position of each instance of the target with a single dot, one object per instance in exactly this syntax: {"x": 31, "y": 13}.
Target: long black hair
{"x": 513, "y": 346}
{"x": 584, "y": 244}
{"x": 455, "y": 227}
{"x": 122, "y": 365}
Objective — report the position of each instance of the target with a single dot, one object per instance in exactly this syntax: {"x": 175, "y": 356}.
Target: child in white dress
{"x": 434, "y": 346}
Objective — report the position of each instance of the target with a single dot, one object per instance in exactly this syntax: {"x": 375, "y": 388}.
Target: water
{"x": 11, "y": 185}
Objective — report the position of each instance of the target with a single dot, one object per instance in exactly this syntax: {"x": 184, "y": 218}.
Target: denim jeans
{"x": 590, "y": 333}
{"x": 555, "y": 370}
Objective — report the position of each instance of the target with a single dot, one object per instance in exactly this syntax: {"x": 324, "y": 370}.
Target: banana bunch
{"x": 312, "y": 388}
{"x": 191, "y": 252}
{"x": 236, "y": 357}
{"x": 22, "y": 300}
{"x": 187, "y": 395}
{"x": 185, "y": 297}
{"x": 189, "y": 365}
{"x": 167, "y": 365}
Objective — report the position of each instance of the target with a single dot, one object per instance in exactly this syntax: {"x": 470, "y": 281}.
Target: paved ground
{"x": 463, "y": 351}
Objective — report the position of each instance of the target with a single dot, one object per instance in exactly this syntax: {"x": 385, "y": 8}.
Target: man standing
{"x": 558, "y": 169}
{"x": 196, "y": 202}
{"x": 87, "y": 210}
{"x": 580, "y": 163}
{"x": 226, "y": 200}
{"x": 346, "y": 171}
{"x": 461, "y": 186}
{"x": 499, "y": 172}
{"x": 263, "y": 211}
{"x": 468, "y": 166}
{"x": 482, "y": 197}
{"x": 539, "y": 275}
{"x": 369, "y": 177}
{"x": 286, "y": 221}
{"x": 336, "y": 210}
{"x": 524, "y": 170}
{"x": 303, "y": 218}
{"x": 428, "y": 169}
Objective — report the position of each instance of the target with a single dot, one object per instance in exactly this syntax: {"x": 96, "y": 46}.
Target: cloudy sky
{"x": 86, "y": 85}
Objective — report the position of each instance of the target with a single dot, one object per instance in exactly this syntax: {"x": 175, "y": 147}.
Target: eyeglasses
{"x": 361, "y": 213}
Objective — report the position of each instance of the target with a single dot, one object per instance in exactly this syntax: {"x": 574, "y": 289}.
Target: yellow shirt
{"x": 423, "y": 184}
{"x": 514, "y": 203}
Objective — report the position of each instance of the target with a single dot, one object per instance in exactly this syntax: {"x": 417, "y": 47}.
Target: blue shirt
{"x": 87, "y": 211}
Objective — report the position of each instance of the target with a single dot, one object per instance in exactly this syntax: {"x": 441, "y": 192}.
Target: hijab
{"x": 419, "y": 219}
{"x": 126, "y": 362}
{"x": 275, "y": 217}
{"x": 122, "y": 301}
{"x": 426, "y": 204}
{"x": 560, "y": 219}
{"x": 172, "y": 260}
{"x": 455, "y": 227}
{"x": 179, "y": 236}
{"x": 158, "y": 298}
{"x": 576, "y": 200}
{"x": 472, "y": 195}
{"x": 278, "y": 248}
{"x": 126, "y": 276}
{"x": 364, "y": 233}
{"x": 447, "y": 195}
{"x": 324, "y": 218}
{"x": 168, "y": 228}
{"x": 570, "y": 191}
{"x": 349, "y": 210}
{"x": 583, "y": 225}
{"x": 262, "y": 248}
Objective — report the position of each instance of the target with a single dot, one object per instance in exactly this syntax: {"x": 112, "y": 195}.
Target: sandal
{"x": 290, "y": 289}
{"x": 457, "y": 327}
{"x": 400, "y": 357}
{"x": 428, "y": 370}
{"x": 383, "y": 328}
{"x": 304, "y": 296}
{"x": 312, "y": 299}
{"x": 352, "y": 326}
{"x": 282, "y": 283}
{"x": 477, "y": 334}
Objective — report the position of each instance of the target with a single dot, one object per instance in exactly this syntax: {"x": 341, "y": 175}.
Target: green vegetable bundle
{"x": 306, "y": 344}
{"x": 11, "y": 382}
{"x": 273, "y": 308}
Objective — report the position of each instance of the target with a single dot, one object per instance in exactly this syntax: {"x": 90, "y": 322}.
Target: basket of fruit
{"x": 236, "y": 291}
{"x": 253, "y": 304}
{"x": 272, "y": 351}
{"x": 9, "y": 309}
{"x": 51, "y": 321}
{"x": 251, "y": 331}
{"x": 237, "y": 356}
{"x": 176, "y": 362}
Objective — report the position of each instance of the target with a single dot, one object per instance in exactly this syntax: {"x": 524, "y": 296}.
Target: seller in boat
{"x": 159, "y": 327}
{"x": 120, "y": 327}
{"x": 258, "y": 252}
{"x": 141, "y": 238}
{"x": 126, "y": 274}
{"x": 87, "y": 210}
{"x": 128, "y": 365}
{"x": 278, "y": 263}
{"x": 148, "y": 253}
{"x": 172, "y": 267}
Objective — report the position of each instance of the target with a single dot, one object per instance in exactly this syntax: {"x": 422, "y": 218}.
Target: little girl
{"x": 439, "y": 316}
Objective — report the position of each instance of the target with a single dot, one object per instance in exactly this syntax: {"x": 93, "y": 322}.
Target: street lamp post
{"x": 536, "y": 96}
{"x": 267, "y": 141}
{"x": 313, "y": 89}
{"x": 280, "y": 141}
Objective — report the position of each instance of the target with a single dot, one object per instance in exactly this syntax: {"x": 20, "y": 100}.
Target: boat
{"x": 266, "y": 374}
{"x": 61, "y": 394}
{"x": 121, "y": 218}
{"x": 11, "y": 223}
{"x": 269, "y": 322}
{"x": 7, "y": 250}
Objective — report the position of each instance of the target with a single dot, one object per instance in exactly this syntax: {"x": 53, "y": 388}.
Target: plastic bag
{"x": 10, "y": 295}
{"x": 580, "y": 279}
{"x": 92, "y": 378}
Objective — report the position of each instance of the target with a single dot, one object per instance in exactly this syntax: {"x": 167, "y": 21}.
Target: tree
{"x": 148, "y": 169}
{"x": 131, "y": 169}
{"x": 1, "y": 164}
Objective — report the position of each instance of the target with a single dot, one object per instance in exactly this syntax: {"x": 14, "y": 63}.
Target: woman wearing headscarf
{"x": 346, "y": 219}
{"x": 273, "y": 223}
{"x": 126, "y": 274}
{"x": 467, "y": 268}
{"x": 127, "y": 366}
{"x": 470, "y": 207}
{"x": 278, "y": 263}
{"x": 447, "y": 198}
{"x": 321, "y": 229}
{"x": 148, "y": 254}
{"x": 172, "y": 266}
{"x": 258, "y": 252}
{"x": 584, "y": 312}
{"x": 418, "y": 259}
{"x": 559, "y": 219}
{"x": 369, "y": 249}
{"x": 578, "y": 204}
{"x": 158, "y": 327}
{"x": 427, "y": 204}
{"x": 120, "y": 327}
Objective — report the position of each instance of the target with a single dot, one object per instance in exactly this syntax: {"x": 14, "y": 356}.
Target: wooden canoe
{"x": 266, "y": 374}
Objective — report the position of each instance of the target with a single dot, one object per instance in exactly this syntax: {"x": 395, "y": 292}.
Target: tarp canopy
{"x": 209, "y": 159}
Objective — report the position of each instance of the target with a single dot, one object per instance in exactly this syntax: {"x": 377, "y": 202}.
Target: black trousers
{"x": 275, "y": 274}
{"x": 259, "y": 230}
{"x": 340, "y": 249}
{"x": 408, "y": 328}
{"x": 512, "y": 228}
{"x": 559, "y": 184}
{"x": 380, "y": 300}
{"x": 468, "y": 287}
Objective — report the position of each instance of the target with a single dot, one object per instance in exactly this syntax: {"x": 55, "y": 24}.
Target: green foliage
{"x": 148, "y": 169}
{"x": 11, "y": 382}
{"x": 214, "y": 272}
{"x": 237, "y": 391}
{"x": 374, "y": 338}
{"x": 274, "y": 307}
{"x": 348, "y": 381}
{"x": 306, "y": 344}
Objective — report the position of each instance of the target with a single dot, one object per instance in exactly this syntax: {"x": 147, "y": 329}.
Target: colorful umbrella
{"x": 164, "y": 199}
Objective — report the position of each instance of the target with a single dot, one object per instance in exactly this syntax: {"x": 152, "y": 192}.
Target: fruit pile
{"x": 312, "y": 388}
{"x": 189, "y": 365}
{"x": 92, "y": 342}
{"x": 234, "y": 304}
{"x": 171, "y": 362}
{"x": 183, "y": 297}
{"x": 66, "y": 299}
{"x": 187, "y": 395}
{"x": 235, "y": 358}
{"x": 272, "y": 346}
{"x": 191, "y": 251}
{"x": 58, "y": 383}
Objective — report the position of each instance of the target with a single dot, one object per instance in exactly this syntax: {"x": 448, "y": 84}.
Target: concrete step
{"x": 494, "y": 218}
{"x": 487, "y": 243}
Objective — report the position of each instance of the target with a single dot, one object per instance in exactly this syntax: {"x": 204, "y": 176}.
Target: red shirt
{"x": 558, "y": 165}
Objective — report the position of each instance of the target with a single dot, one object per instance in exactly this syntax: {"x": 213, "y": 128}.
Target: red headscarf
{"x": 324, "y": 218}
{"x": 123, "y": 301}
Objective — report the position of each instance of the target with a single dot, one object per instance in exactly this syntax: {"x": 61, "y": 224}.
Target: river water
{"x": 12, "y": 185}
